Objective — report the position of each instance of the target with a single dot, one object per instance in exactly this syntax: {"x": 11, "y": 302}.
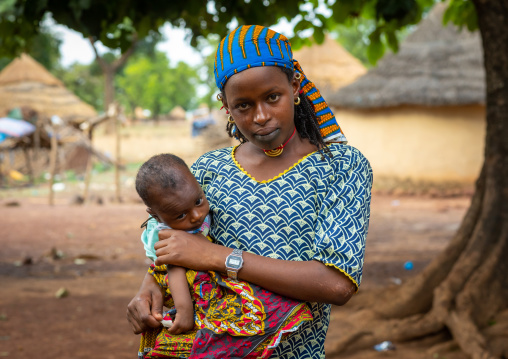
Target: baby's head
{"x": 171, "y": 193}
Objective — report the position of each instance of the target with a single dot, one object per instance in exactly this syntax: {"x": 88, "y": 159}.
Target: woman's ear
{"x": 295, "y": 84}
{"x": 225, "y": 105}
{"x": 152, "y": 213}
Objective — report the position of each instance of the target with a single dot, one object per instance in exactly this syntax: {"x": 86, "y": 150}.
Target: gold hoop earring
{"x": 297, "y": 101}
{"x": 219, "y": 97}
{"x": 298, "y": 75}
{"x": 231, "y": 119}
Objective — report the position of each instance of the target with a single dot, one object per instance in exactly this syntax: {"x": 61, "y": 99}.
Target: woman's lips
{"x": 267, "y": 134}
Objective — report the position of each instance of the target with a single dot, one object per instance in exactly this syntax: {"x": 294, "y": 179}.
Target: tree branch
{"x": 98, "y": 57}
{"x": 120, "y": 61}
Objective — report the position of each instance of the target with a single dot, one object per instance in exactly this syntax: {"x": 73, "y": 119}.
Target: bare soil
{"x": 92, "y": 253}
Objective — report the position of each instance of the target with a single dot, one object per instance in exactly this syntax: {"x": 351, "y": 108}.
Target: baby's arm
{"x": 177, "y": 283}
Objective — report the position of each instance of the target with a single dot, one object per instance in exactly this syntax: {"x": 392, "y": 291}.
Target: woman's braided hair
{"x": 305, "y": 121}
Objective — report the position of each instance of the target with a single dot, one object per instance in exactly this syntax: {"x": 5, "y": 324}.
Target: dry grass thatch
{"x": 329, "y": 66}
{"x": 177, "y": 113}
{"x": 435, "y": 66}
{"x": 24, "y": 82}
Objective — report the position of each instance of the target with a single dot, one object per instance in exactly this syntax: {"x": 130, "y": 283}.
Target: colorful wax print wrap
{"x": 253, "y": 46}
{"x": 233, "y": 319}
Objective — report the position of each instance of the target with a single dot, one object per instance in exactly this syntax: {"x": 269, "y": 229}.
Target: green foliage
{"x": 207, "y": 77}
{"x": 461, "y": 13}
{"x": 44, "y": 47}
{"x": 151, "y": 83}
{"x": 85, "y": 81}
{"x": 116, "y": 23}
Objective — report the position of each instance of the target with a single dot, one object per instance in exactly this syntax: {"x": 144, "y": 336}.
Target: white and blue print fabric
{"x": 316, "y": 210}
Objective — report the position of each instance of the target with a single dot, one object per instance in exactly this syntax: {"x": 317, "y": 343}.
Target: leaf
{"x": 302, "y": 25}
{"x": 376, "y": 48}
{"x": 7, "y": 5}
{"x": 461, "y": 13}
{"x": 319, "y": 35}
{"x": 392, "y": 40}
{"x": 342, "y": 9}
{"x": 395, "y": 9}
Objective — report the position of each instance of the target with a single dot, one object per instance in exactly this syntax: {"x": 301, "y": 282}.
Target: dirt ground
{"x": 92, "y": 254}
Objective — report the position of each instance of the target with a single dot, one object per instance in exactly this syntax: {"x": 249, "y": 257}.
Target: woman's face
{"x": 261, "y": 101}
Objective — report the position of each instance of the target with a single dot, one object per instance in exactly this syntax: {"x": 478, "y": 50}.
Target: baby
{"x": 175, "y": 199}
{"x": 234, "y": 317}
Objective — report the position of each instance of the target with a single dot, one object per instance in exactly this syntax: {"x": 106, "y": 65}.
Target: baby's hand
{"x": 184, "y": 322}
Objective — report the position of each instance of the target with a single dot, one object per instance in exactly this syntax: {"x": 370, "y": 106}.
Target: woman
{"x": 291, "y": 210}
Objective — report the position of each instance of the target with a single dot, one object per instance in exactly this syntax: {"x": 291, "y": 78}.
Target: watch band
{"x": 234, "y": 262}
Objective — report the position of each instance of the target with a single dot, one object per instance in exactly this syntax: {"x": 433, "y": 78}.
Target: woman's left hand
{"x": 310, "y": 281}
{"x": 187, "y": 250}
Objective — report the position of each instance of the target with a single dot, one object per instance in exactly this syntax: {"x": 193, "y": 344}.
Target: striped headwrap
{"x": 253, "y": 46}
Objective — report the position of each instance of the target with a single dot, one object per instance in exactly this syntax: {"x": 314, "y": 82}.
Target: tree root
{"x": 457, "y": 302}
{"x": 443, "y": 347}
{"x": 468, "y": 336}
{"x": 416, "y": 296}
{"x": 376, "y": 330}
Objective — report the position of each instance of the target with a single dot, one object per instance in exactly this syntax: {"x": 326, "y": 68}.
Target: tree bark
{"x": 466, "y": 287}
{"x": 109, "y": 70}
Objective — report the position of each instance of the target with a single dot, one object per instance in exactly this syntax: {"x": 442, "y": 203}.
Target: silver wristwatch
{"x": 234, "y": 262}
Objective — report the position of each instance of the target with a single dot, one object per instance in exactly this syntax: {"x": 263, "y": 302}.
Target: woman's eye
{"x": 199, "y": 201}
{"x": 182, "y": 216}
{"x": 273, "y": 97}
{"x": 242, "y": 106}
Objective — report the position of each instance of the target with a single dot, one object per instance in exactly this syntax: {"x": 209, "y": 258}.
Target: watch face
{"x": 234, "y": 262}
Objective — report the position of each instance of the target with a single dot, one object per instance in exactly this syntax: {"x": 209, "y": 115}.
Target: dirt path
{"x": 103, "y": 263}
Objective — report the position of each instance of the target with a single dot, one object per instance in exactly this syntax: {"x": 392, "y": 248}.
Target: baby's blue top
{"x": 151, "y": 235}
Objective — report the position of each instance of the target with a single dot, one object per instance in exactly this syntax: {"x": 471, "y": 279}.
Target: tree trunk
{"x": 109, "y": 71}
{"x": 109, "y": 88}
{"x": 465, "y": 289}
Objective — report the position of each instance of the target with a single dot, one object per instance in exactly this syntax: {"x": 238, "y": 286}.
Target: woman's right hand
{"x": 145, "y": 309}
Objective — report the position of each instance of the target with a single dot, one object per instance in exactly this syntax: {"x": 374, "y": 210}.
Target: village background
{"x": 71, "y": 258}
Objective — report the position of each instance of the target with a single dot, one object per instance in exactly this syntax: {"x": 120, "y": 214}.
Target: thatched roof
{"x": 177, "y": 113}
{"x": 329, "y": 66}
{"x": 25, "y": 82}
{"x": 435, "y": 66}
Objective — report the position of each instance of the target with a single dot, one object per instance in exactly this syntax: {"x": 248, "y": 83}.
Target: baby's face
{"x": 184, "y": 208}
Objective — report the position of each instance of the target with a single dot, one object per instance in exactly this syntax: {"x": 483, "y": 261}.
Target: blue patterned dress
{"x": 316, "y": 210}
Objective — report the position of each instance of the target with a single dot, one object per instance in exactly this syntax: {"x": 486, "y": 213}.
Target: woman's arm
{"x": 145, "y": 309}
{"x": 307, "y": 281}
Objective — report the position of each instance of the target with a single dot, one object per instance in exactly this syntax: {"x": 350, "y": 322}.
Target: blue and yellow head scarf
{"x": 252, "y": 46}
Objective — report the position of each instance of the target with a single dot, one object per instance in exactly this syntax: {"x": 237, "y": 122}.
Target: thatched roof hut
{"x": 435, "y": 66}
{"x": 419, "y": 116}
{"x": 177, "y": 113}
{"x": 329, "y": 65}
{"x": 25, "y": 82}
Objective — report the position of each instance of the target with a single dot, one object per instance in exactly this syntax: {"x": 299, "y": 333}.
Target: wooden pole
{"x": 29, "y": 166}
{"x": 89, "y": 167}
{"x": 3, "y": 173}
{"x": 52, "y": 164}
{"x": 117, "y": 156}
{"x": 7, "y": 167}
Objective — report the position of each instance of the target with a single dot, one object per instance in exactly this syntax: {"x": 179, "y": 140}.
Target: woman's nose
{"x": 262, "y": 115}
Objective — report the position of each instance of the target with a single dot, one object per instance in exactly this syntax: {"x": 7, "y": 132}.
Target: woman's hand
{"x": 310, "y": 281}
{"x": 188, "y": 250}
{"x": 145, "y": 309}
